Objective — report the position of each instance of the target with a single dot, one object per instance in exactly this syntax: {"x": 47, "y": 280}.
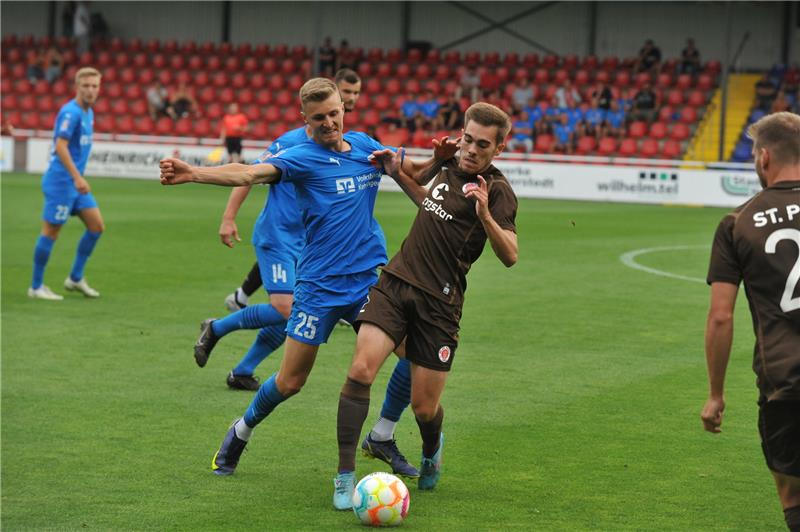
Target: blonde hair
{"x": 86, "y": 72}
{"x": 780, "y": 134}
{"x": 487, "y": 115}
{"x": 317, "y": 90}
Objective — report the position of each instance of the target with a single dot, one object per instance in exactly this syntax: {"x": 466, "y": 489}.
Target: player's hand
{"x": 480, "y": 193}
{"x": 228, "y": 232}
{"x": 388, "y": 160}
{"x": 175, "y": 172}
{"x": 445, "y": 148}
{"x": 82, "y": 185}
{"x": 712, "y": 414}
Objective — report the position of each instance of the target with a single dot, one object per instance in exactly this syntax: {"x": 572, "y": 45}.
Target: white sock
{"x": 243, "y": 432}
{"x": 383, "y": 430}
{"x": 240, "y": 296}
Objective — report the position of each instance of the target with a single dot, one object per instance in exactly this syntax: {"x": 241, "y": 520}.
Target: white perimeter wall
{"x": 562, "y": 27}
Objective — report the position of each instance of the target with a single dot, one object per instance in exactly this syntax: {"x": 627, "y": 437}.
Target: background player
{"x": 349, "y": 84}
{"x": 759, "y": 243}
{"x": 420, "y": 293}
{"x": 337, "y": 188}
{"x": 234, "y": 126}
{"x": 66, "y": 191}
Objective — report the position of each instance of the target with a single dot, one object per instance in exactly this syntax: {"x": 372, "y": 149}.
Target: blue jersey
{"x": 76, "y": 125}
{"x": 336, "y": 194}
{"x": 279, "y": 226}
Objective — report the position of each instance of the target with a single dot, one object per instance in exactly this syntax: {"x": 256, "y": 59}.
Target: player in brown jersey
{"x": 759, "y": 243}
{"x": 420, "y": 293}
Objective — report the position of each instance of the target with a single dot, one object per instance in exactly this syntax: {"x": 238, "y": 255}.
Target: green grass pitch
{"x": 573, "y": 403}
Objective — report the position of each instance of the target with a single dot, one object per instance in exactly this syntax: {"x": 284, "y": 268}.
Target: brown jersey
{"x": 759, "y": 243}
{"x": 447, "y": 237}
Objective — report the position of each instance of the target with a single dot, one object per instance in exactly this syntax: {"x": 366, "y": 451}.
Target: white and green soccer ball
{"x": 381, "y": 499}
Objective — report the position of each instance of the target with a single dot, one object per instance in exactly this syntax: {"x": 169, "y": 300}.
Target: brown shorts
{"x": 430, "y": 326}
{"x": 779, "y": 426}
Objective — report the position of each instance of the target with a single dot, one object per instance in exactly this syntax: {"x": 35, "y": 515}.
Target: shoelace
{"x": 396, "y": 451}
{"x": 341, "y": 486}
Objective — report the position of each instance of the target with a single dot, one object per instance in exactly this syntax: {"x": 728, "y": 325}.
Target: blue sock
{"x": 398, "y": 391}
{"x": 41, "y": 254}
{"x": 265, "y": 401}
{"x": 268, "y": 340}
{"x": 250, "y": 317}
{"x": 85, "y": 248}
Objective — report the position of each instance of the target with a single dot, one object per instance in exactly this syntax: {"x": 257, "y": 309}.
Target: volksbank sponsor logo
{"x": 740, "y": 185}
{"x": 650, "y": 182}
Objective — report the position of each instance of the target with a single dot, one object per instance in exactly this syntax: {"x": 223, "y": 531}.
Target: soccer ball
{"x": 381, "y": 499}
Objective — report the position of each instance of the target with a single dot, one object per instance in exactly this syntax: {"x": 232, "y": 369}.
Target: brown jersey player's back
{"x": 759, "y": 243}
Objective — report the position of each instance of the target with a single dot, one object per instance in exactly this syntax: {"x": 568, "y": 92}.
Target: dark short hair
{"x": 487, "y": 114}
{"x": 780, "y": 134}
{"x": 347, "y": 75}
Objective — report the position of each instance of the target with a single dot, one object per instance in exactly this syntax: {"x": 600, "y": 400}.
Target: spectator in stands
{"x": 523, "y": 92}
{"x": 53, "y": 64}
{"x": 183, "y": 101}
{"x": 649, "y": 59}
{"x": 469, "y": 84}
{"x": 429, "y": 107}
{"x": 81, "y": 26}
{"x": 521, "y": 132}
{"x": 326, "y": 57}
{"x": 234, "y": 126}
{"x": 564, "y": 136}
{"x": 35, "y": 70}
{"x": 765, "y": 92}
{"x": 552, "y": 115}
{"x": 791, "y": 81}
{"x": 614, "y": 123}
{"x": 574, "y": 118}
{"x": 535, "y": 117}
{"x": 645, "y": 103}
{"x": 409, "y": 111}
{"x": 567, "y": 94}
{"x": 158, "y": 101}
{"x": 593, "y": 120}
{"x": 490, "y": 82}
{"x": 422, "y": 136}
{"x": 603, "y": 96}
{"x": 496, "y": 98}
{"x": 780, "y": 103}
{"x": 450, "y": 116}
{"x": 690, "y": 59}
{"x": 345, "y": 56}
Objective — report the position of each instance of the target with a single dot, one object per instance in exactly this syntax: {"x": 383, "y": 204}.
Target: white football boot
{"x": 44, "y": 292}
{"x": 80, "y": 286}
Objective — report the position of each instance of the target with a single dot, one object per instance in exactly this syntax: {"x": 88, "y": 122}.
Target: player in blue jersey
{"x": 66, "y": 192}
{"x": 336, "y": 187}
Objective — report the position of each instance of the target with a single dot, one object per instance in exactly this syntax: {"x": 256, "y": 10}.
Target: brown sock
{"x": 353, "y": 410}
{"x": 431, "y": 432}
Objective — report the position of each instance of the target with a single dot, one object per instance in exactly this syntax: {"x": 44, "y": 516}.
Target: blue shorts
{"x": 59, "y": 205}
{"x": 319, "y": 305}
{"x": 277, "y": 269}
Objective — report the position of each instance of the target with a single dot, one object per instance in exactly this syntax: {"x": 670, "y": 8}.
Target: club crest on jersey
{"x": 469, "y": 186}
{"x": 444, "y": 353}
{"x": 437, "y": 191}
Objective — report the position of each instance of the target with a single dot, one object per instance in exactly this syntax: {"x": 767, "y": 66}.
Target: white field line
{"x": 628, "y": 259}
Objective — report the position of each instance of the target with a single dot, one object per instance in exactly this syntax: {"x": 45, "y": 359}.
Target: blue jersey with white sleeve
{"x": 279, "y": 226}
{"x": 336, "y": 193}
{"x": 76, "y": 125}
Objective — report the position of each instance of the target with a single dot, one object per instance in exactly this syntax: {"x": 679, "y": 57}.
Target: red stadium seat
{"x": 244, "y": 49}
{"x": 213, "y": 62}
{"x": 394, "y": 55}
{"x": 195, "y": 62}
{"x": 364, "y": 70}
{"x": 280, "y": 51}
{"x": 442, "y": 72}
{"x": 550, "y": 61}
{"x": 393, "y": 87}
{"x": 226, "y": 96}
{"x": 258, "y": 81}
{"x": 272, "y": 113}
{"x": 381, "y": 102}
{"x": 665, "y": 114}
{"x": 531, "y": 60}
{"x": 402, "y": 70}
{"x": 433, "y": 86}
{"x": 383, "y": 70}
{"x": 541, "y": 75}
{"x": 370, "y": 118}
{"x": 570, "y": 62}
{"x": 121, "y": 60}
{"x": 232, "y": 63}
{"x": 245, "y": 96}
{"x": 159, "y": 61}
{"x": 102, "y": 106}
{"x": 135, "y": 45}
{"x": 696, "y": 98}
{"x": 219, "y": 79}
{"x": 628, "y": 147}
{"x": 261, "y": 51}
{"x": 116, "y": 45}
{"x": 472, "y": 58}
{"x": 277, "y": 82}
{"x": 260, "y": 131}
{"x": 675, "y": 97}
{"x": 104, "y": 59}
{"x": 622, "y": 78}
{"x": 649, "y": 148}
{"x": 9, "y": 101}
{"x": 269, "y": 65}
{"x": 543, "y": 143}
{"x": 590, "y": 62}
{"x": 511, "y": 59}
{"x": 207, "y": 48}
{"x": 610, "y": 63}
{"x": 138, "y": 107}
{"x": 264, "y": 97}
{"x": 183, "y": 127}
{"x": 152, "y": 46}
{"x": 375, "y": 55}
{"x": 165, "y": 77}
{"x": 452, "y": 57}
{"x": 119, "y": 107}
{"x": 252, "y": 112}
{"x": 188, "y": 47}
{"x": 214, "y": 110}
{"x": 671, "y": 149}
{"x": 491, "y": 59}
{"x": 679, "y": 131}
{"x": 637, "y": 129}
{"x": 127, "y": 75}
{"x": 104, "y": 124}
{"x": 112, "y": 90}
{"x": 413, "y": 86}
{"x": 607, "y": 146}
{"x": 295, "y": 82}
{"x": 713, "y": 67}
{"x": 288, "y": 66}
{"x": 238, "y": 80}
{"x": 503, "y": 74}
{"x": 27, "y": 102}
{"x": 202, "y": 128}
{"x": 30, "y": 120}
{"x": 641, "y": 79}
{"x": 372, "y": 86}
{"x": 165, "y": 126}
{"x": 285, "y": 98}
{"x": 602, "y": 76}
{"x": 144, "y": 126}
{"x": 560, "y": 76}
{"x": 134, "y": 92}
{"x": 182, "y": 76}
{"x": 658, "y": 130}
{"x": 278, "y": 129}
{"x": 124, "y": 124}
{"x": 705, "y": 82}
{"x": 581, "y": 77}
{"x": 41, "y": 87}
{"x": 586, "y": 145}
{"x": 140, "y": 60}
{"x": 423, "y": 71}
{"x": 206, "y": 95}
{"x": 46, "y": 103}
{"x": 225, "y": 48}
{"x": 291, "y": 115}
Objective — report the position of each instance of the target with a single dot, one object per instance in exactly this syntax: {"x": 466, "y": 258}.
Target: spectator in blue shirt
{"x": 564, "y": 136}
{"x": 430, "y": 109}
{"x": 409, "y": 111}
{"x": 535, "y": 117}
{"x": 614, "y": 120}
{"x": 521, "y": 132}
{"x": 593, "y": 120}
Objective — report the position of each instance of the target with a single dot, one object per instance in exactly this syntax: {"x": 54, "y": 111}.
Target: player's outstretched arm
{"x": 719, "y": 337}
{"x": 503, "y": 241}
{"x": 423, "y": 171}
{"x": 228, "y": 232}
{"x": 391, "y": 163}
{"x": 177, "y": 172}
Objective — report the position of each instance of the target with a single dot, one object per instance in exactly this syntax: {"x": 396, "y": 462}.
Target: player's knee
{"x": 361, "y": 371}
{"x": 424, "y": 410}
{"x": 291, "y": 385}
{"x": 283, "y": 307}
